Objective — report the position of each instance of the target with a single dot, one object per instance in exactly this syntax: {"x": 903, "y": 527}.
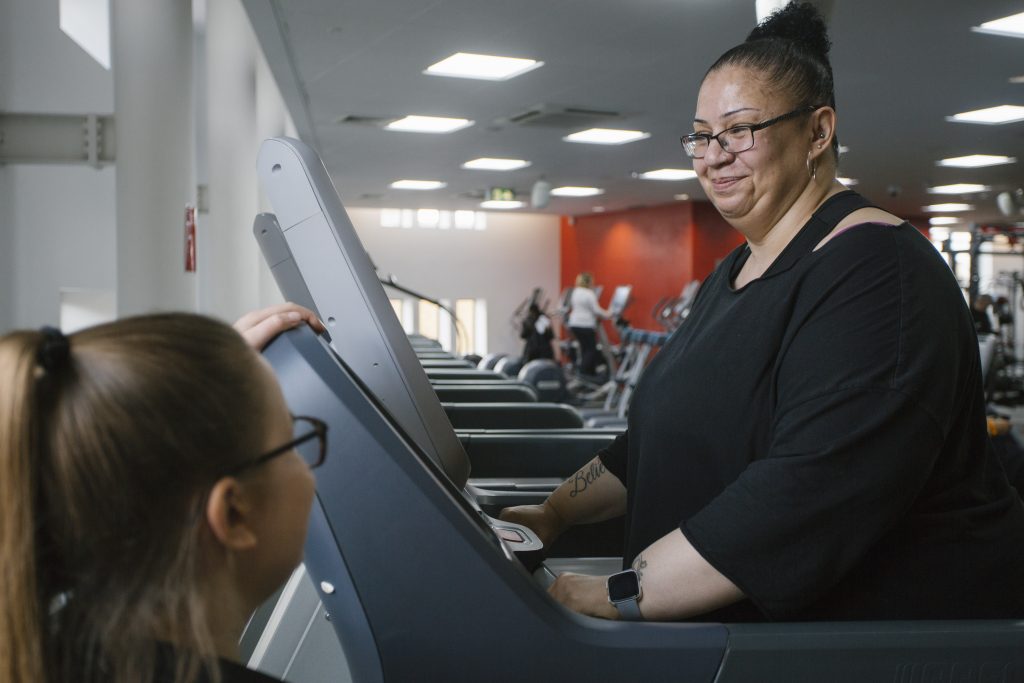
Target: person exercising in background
{"x": 979, "y": 311}
{"x": 583, "y": 321}
{"x": 537, "y": 333}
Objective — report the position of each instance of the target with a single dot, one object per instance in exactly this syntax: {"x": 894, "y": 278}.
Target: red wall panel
{"x": 657, "y": 249}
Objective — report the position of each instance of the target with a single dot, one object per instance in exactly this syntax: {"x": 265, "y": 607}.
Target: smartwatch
{"x": 624, "y": 592}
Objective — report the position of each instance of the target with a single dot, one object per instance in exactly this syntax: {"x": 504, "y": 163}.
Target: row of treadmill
{"x": 408, "y": 573}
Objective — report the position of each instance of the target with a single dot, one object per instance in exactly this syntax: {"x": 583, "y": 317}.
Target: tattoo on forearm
{"x": 640, "y": 564}
{"x": 585, "y": 477}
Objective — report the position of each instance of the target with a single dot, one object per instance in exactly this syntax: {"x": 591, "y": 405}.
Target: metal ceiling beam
{"x": 57, "y": 139}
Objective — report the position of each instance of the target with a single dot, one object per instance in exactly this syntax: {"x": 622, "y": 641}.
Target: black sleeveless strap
{"x": 822, "y": 222}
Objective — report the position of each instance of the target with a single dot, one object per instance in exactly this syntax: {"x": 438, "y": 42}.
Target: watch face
{"x": 623, "y": 586}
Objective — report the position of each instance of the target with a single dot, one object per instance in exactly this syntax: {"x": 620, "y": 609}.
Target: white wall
{"x": 243, "y": 107}
{"x": 44, "y": 70}
{"x": 64, "y": 237}
{"x": 501, "y": 264}
{"x": 56, "y": 222}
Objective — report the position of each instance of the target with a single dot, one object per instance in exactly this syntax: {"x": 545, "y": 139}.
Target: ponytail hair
{"x": 22, "y": 620}
{"x": 107, "y": 449}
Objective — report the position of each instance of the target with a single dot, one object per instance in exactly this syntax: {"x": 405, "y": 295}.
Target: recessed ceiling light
{"x": 1016, "y": 80}
{"x": 975, "y": 161}
{"x": 681, "y": 197}
{"x": 668, "y": 174}
{"x": 948, "y": 207}
{"x": 1004, "y": 113}
{"x": 503, "y": 204}
{"x": 428, "y": 124}
{"x": 944, "y": 220}
{"x": 598, "y": 209}
{"x": 491, "y": 164}
{"x": 1012, "y": 25}
{"x": 958, "y": 188}
{"x": 418, "y": 184}
{"x": 606, "y": 136}
{"x": 843, "y": 149}
{"x": 849, "y": 182}
{"x": 484, "y": 67}
{"x": 574, "y": 191}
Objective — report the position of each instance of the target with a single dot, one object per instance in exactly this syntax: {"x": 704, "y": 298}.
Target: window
{"x": 87, "y": 22}
{"x": 428, "y": 320}
{"x": 433, "y": 219}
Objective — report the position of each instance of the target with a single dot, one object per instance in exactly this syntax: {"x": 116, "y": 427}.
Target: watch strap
{"x": 629, "y": 609}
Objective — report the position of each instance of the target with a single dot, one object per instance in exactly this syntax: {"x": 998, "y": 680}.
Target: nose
{"x": 716, "y": 155}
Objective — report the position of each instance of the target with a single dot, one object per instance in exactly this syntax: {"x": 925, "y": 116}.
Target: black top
{"x": 819, "y": 437}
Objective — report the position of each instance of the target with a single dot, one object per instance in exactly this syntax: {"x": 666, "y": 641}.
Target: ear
{"x": 229, "y": 514}
{"x": 823, "y": 129}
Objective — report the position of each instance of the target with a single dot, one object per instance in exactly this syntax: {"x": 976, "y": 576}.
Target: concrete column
{"x": 152, "y": 64}
{"x": 232, "y": 286}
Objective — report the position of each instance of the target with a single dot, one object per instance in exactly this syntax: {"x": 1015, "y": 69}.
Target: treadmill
{"x": 417, "y": 582}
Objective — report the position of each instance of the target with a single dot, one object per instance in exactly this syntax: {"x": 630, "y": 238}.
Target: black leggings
{"x": 587, "y": 339}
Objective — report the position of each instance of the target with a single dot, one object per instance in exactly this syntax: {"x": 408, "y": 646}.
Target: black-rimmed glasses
{"x": 310, "y": 442}
{"x": 736, "y": 139}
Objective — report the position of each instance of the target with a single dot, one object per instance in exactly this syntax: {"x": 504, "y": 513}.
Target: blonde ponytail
{"x": 22, "y": 628}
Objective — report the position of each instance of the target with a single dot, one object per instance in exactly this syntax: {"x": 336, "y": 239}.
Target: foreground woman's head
{"x": 128, "y": 503}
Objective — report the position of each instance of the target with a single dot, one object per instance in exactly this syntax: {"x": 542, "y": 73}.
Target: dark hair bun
{"x": 800, "y": 22}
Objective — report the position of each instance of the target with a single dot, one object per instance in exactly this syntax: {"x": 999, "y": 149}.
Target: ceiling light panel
{"x": 492, "y": 164}
{"x": 606, "y": 136}
{"x": 428, "y": 124}
{"x": 942, "y": 208}
{"x": 1004, "y": 113}
{"x": 944, "y": 220}
{"x": 668, "y": 174}
{"x": 418, "y": 184}
{"x": 483, "y": 67}
{"x": 576, "y": 191}
{"x": 975, "y": 161}
{"x": 503, "y": 204}
{"x": 959, "y": 188}
{"x": 1012, "y": 25}
{"x": 849, "y": 182}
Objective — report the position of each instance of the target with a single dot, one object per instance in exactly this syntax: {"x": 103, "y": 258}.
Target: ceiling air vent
{"x": 555, "y": 116}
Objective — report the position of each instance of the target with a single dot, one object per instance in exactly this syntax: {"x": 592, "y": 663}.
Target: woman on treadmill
{"x": 811, "y": 443}
{"x": 155, "y": 492}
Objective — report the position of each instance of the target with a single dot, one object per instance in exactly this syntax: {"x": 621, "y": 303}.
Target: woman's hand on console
{"x": 260, "y": 327}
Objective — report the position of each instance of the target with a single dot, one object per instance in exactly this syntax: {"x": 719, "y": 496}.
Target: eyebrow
{"x": 728, "y": 114}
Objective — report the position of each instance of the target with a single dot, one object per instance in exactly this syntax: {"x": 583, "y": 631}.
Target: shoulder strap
{"x": 822, "y": 222}
{"x": 827, "y": 217}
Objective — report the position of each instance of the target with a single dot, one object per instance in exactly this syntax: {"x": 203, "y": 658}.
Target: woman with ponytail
{"x": 139, "y": 524}
{"x": 811, "y": 443}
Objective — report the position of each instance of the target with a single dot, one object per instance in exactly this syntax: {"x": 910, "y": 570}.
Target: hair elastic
{"x": 54, "y": 350}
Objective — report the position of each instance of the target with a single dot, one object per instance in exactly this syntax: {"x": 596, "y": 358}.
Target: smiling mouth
{"x": 720, "y": 184}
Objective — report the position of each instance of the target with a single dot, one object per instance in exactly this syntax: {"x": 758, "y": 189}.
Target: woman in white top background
{"x": 583, "y": 320}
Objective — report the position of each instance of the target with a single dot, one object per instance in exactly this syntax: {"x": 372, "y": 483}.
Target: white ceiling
{"x": 901, "y": 67}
